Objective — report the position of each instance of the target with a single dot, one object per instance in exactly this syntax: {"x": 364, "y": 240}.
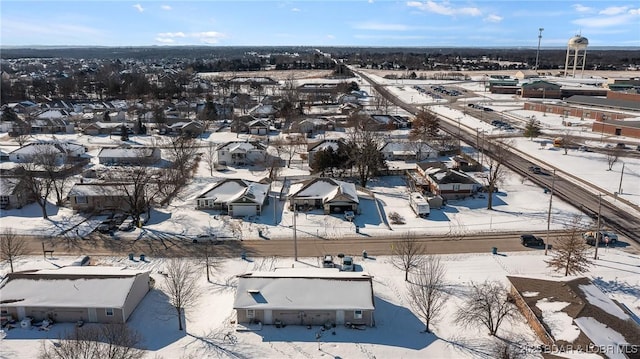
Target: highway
{"x": 579, "y": 195}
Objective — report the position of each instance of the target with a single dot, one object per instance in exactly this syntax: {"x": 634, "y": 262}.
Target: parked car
{"x": 604, "y": 238}
{"x": 347, "y": 264}
{"x": 81, "y": 261}
{"x": 327, "y": 261}
{"x": 535, "y": 169}
{"x": 621, "y": 145}
{"x": 529, "y": 240}
{"x": 349, "y": 216}
{"x": 127, "y": 225}
{"x": 106, "y": 226}
{"x": 204, "y": 238}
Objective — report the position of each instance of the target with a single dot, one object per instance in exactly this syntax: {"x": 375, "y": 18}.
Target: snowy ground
{"x": 398, "y": 330}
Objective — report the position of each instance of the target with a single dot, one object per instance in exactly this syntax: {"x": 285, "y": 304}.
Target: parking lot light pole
{"x": 553, "y": 183}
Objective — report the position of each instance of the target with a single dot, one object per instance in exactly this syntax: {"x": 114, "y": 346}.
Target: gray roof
{"x": 604, "y": 102}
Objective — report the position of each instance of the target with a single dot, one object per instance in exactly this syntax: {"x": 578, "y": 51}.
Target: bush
{"x": 396, "y": 218}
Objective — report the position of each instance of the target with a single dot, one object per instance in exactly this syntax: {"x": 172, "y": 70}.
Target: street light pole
{"x": 598, "y": 226}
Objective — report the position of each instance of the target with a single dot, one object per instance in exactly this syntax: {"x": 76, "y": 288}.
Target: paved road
{"x": 104, "y": 246}
{"x": 581, "y": 197}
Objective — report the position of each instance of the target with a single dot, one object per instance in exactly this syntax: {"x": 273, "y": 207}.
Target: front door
{"x": 93, "y": 316}
{"x": 21, "y": 313}
{"x": 340, "y": 317}
{"x": 268, "y": 317}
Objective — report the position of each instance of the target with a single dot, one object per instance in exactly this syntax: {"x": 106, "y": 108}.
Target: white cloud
{"x": 620, "y": 20}
{"x": 172, "y": 34}
{"x": 331, "y": 37}
{"x": 582, "y": 8}
{"x": 138, "y": 7}
{"x": 613, "y": 10}
{"x": 208, "y": 37}
{"x": 165, "y": 40}
{"x": 634, "y": 11}
{"x": 295, "y": 9}
{"x": 443, "y": 8}
{"x": 166, "y": 7}
{"x": 493, "y": 18}
{"x": 380, "y": 26}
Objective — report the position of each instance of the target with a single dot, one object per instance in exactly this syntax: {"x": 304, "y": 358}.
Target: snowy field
{"x": 397, "y": 333}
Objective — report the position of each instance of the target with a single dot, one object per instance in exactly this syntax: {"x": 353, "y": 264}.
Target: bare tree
{"x": 209, "y": 157}
{"x": 570, "y": 252}
{"x": 424, "y": 126}
{"x": 54, "y": 167}
{"x": 488, "y": 304}
{"x": 37, "y": 186}
{"x": 210, "y": 262}
{"x": 425, "y": 291}
{"x": 363, "y": 149}
{"x": 140, "y": 188}
{"x": 506, "y": 349}
{"x": 106, "y": 341}
{"x": 11, "y": 248}
{"x": 498, "y": 155}
{"x": 613, "y": 154}
{"x": 407, "y": 254}
{"x": 181, "y": 285}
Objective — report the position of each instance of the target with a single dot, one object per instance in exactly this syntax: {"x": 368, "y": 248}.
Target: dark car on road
{"x": 529, "y": 240}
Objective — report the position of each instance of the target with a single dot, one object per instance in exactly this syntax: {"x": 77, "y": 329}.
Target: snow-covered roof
{"x": 86, "y": 287}
{"x": 133, "y": 152}
{"x": 323, "y": 188}
{"x": 56, "y": 147}
{"x": 241, "y": 146}
{"x": 317, "y": 289}
{"x": 230, "y": 190}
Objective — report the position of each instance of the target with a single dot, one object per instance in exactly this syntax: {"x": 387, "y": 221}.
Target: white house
{"x": 62, "y": 151}
{"x": 241, "y": 153}
{"x": 305, "y": 296}
{"x": 408, "y": 150}
{"x": 238, "y": 197}
{"x": 328, "y": 194}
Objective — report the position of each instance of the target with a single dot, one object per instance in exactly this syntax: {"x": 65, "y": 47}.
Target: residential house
{"x": 384, "y": 122}
{"x": 450, "y": 184}
{"x": 408, "y": 150}
{"x": 263, "y": 111}
{"x": 94, "y": 294}
{"x": 13, "y": 193}
{"x": 241, "y": 153}
{"x": 190, "y": 129}
{"x": 64, "y": 151}
{"x": 305, "y": 296}
{"x": 129, "y": 156}
{"x": 103, "y": 128}
{"x": 237, "y": 197}
{"x": 258, "y": 126}
{"x": 313, "y": 125}
{"x": 323, "y": 145}
{"x": 99, "y": 197}
{"x": 328, "y": 194}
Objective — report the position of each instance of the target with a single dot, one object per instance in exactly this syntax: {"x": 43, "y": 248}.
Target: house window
{"x": 251, "y": 313}
{"x": 109, "y": 312}
{"x": 456, "y": 187}
{"x": 357, "y": 314}
{"x": 81, "y": 199}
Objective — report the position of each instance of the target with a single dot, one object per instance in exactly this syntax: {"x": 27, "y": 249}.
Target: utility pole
{"x": 553, "y": 183}
{"x": 598, "y": 226}
{"x": 295, "y": 236}
{"x": 538, "y": 51}
{"x": 620, "y": 185}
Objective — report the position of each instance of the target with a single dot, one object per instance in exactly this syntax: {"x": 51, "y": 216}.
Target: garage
{"x": 240, "y": 210}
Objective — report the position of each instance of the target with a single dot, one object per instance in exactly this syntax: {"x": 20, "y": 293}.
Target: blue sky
{"x": 479, "y": 23}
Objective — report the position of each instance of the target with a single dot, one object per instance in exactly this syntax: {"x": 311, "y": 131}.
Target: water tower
{"x": 576, "y": 55}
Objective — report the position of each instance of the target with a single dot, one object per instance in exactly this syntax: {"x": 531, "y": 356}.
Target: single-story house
{"x": 309, "y": 296}
{"x": 95, "y": 294}
{"x": 311, "y": 125}
{"x": 187, "y": 128}
{"x": 236, "y": 196}
{"x": 408, "y": 150}
{"x": 258, "y": 127}
{"x": 129, "y": 155}
{"x": 263, "y": 111}
{"x": 450, "y": 184}
{"x": 62, "y": 150}
{"x": 316, "y": 147}
{"x": 97, "y": 197}
{"x": 13, "y": 193}
{"x": 104, "y": 128}
{"x": 241, "y": 153}
{"x": 328, "y": 194}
